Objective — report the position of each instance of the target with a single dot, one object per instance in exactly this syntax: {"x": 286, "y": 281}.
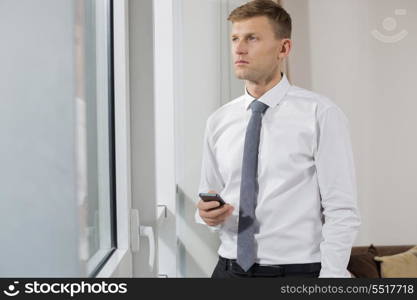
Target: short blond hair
{"x": 280, "y": 19}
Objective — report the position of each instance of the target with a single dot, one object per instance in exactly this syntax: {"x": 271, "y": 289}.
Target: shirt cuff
{"x": 327, "y": 274}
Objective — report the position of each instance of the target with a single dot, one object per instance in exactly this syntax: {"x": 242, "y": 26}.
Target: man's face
{"x": 255, "y": 49}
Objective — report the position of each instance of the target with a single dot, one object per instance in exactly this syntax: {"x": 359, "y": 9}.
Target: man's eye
{"x": 252, "y": 38}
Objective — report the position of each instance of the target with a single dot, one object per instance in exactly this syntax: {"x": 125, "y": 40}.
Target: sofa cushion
{"x": 392, "y": 249}
{"x": 402, "y": 265}
{"x": 363, "y": 264}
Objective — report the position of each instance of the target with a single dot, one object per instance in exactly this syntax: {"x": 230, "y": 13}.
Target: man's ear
{"x": 285, "y": 48}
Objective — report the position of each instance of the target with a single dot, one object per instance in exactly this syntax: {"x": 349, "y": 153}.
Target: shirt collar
{"x": 273, "y": 96}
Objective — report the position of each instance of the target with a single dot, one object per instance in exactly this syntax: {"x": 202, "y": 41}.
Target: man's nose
{"x": 240, "y": 48}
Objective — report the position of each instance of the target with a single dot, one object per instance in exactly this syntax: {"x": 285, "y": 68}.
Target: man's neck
{"x": 257, "y": 89}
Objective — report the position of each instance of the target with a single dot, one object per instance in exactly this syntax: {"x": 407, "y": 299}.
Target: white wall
{"x": 200, "y": 94}
{"x": 204, "y": 83}
{"x": 142, "y": 124}
{"x": 374, "y": 83}
{"x": 37, "y": 119}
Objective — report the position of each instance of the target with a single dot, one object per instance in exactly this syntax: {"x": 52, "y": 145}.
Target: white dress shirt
{"x": 306, "y": 206}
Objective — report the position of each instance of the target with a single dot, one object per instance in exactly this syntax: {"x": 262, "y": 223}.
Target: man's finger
{"x": 218, "y": 213}
{"x": 207, "y": 205}
{"x": 219, "y": 219}
{"x": 215, "y": 212}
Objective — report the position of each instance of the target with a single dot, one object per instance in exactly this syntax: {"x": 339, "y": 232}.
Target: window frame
{"x": 118, "y": 263}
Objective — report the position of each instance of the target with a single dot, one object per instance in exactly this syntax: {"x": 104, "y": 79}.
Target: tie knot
{"x": 258, "y": 106}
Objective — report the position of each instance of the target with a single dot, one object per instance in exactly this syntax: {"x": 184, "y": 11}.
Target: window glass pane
{"x": 94, "y": 87}
{"x": 38, "y": 208}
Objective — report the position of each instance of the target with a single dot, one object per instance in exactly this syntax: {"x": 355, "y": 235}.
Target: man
{"x": 283, "y": 156}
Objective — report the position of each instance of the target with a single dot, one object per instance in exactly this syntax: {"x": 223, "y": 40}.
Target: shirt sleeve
{"x": 337, "y": 183}
{"x": 210, "y": 178}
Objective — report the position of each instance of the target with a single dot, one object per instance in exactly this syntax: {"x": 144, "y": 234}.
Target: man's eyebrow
{"x": 246, "y": 34}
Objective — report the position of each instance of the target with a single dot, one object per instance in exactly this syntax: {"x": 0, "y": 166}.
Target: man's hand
{"x": 215, "y": 216}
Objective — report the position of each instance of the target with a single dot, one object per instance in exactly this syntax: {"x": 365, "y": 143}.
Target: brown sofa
{"x": 362, "y": 264}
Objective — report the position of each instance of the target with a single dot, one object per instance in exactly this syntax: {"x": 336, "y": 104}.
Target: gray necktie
{"x": 246, "y": 252}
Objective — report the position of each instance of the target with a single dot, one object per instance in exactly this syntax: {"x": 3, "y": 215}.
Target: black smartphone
{"x": 212, "y": 197}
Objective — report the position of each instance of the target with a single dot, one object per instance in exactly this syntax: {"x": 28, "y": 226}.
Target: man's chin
{"x": 241, "y": 75}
